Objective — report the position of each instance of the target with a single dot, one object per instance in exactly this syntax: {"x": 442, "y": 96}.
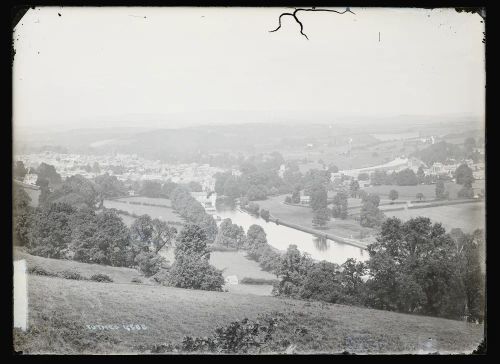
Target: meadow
{"x": 468, "y": 217}
{"x": 63, "y": 315}
{"x": 162, "y": 213}
{"x": 410, "y": 192}
{"x": 299, "y": 215}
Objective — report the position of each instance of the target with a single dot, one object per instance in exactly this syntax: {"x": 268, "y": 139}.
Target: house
{"x": 30, "y": 179}
{"x": 206, "y": 199}
{"x": 305, "y": 200}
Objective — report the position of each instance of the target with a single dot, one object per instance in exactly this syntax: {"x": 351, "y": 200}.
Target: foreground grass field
{"x": 60, "y": 310}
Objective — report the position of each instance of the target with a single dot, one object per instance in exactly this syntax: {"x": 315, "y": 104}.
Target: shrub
{"x": 67, "y": 274}
{"x": 238, "y": 337}
{"x": 288, "y": 199}
{"x": 99, "y": 277}
{"x": 149, "y": 263}
{"x": 39, "y": 271}
{"x": 161, "y": 277}
{"x": 136, "y": 280}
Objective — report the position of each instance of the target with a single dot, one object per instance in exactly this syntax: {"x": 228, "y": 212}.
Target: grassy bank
{"x": 348, "y": 228}
{"x": 61, "y": 309}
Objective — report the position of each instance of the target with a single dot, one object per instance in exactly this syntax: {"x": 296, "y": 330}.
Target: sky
{"x": 78, "y": 67}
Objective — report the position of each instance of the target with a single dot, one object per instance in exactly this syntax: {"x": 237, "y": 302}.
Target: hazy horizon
{"x": 181, "y": 67}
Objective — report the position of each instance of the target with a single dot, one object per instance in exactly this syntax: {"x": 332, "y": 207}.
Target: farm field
{"x": 468, "y": 217}
{"x": 162, "y": 213}
{"x": 152, "y": 200}
{"x": 410, "y": 192}
{"x": 60, "y": 309}
{"x": 303, "y": 216}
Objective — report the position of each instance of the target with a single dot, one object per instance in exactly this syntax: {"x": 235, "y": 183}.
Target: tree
{"x": 351, "y": 274}
{"x": 113, "y": 241}
{"x": 420, "y": 196}
{"x": 296, "y": 194}
{"x": 370, "y": 215}
{"x": 151, "y": 235}
{"x": 322, "y": 282}
{"x": 439, "y": 152}
{"x": 420, "y": 174}
{"x": 339, "y": 208}
{"x": 406, "y": 177}
{"x": 149, "y": 263}
{"x": 321, "y": 217}
{"x": 466, "y": 192}
{"x": 393, "y": 195}
{"x": 256, "y": 235}
{"x": 253, "y": 208}
{"x": 50, "y": 233}
{"x": 191, "y": 268}
{"x": 257, "y": 193}
{"x": 412, "y": 267}
{"x": 363, "y": 176}
{"x": 291, "y": 269}
{"x": 319, "y": 196}
{"x": 167, "y": 188}
{"x": 231, "y": 187}
{"x": 463, "y": 175}
{"x": 21, "y": 215}
{"x": 110, "y": 186}
{"x": 354, "y": 188}
{"x": 440, "y": 191}
{"x": 19, "y": 170}
{"x": 332, "y": 168}
{"x": 151, "y": 189}
{"x": 264, "y": 214}
{"x": 48, "y": 172}
{"x": 230, "y": 235}
{"x": 77, "y": 191}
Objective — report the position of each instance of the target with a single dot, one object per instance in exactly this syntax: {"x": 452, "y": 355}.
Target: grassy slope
{"x": 59, "y": 309}
{"x": 118, "y": 274}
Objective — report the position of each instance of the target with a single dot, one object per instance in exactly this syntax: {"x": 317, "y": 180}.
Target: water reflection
{"x": 281, "y": 237}
{"x": 321, "y": 243}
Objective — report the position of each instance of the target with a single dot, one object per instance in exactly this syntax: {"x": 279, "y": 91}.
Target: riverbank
{"x": 320, "y": 234}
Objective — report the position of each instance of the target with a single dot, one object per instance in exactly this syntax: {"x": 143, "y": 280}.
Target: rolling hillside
{"x": 60, "y": 310}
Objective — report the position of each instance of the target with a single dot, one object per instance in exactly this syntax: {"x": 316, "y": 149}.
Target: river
{"x": 281, "y": 237}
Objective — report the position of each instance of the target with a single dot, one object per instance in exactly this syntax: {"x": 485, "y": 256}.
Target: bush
{"x": 149, "y": 263}
{"x": 39, "y": 271}
{"x": 288, "y": 199}
{"x": 238, "y": 337}
{"x": 99, "y": 277}
{"x": 161, "y": 277}
{"x": 67, "y": 274}
{"x": 136, "y": 280}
